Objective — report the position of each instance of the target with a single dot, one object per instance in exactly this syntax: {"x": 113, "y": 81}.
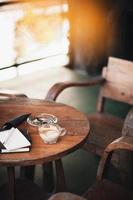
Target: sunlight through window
{"x": 33, "y": 37}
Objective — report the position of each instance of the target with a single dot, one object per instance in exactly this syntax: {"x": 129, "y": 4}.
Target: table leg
{"x": 11, "y": 179}
{"x": 28, "y": 172}
{"x": 60, "y": 185}
{"x": 48, "y": 177}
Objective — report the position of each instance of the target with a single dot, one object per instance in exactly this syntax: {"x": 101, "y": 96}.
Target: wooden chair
{"x": 116, "y": 83}
{"x": 11, "y": 93}
{"x": 104, "y": 189}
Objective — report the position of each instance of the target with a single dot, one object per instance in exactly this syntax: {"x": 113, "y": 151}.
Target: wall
{"x": 98, "y": 30}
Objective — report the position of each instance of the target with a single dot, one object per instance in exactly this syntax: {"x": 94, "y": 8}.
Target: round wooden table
{"x": 75, "y": 123}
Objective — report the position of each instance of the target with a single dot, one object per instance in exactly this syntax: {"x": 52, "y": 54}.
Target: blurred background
{"x": 47, "y": 41}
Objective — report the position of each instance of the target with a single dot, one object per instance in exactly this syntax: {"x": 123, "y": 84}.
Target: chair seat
{"x": 104, "y": 129}
{"x": 103, "y": 190}
{"x": 25, "y": 190}
{"x": 65, "y": 196}
{"x": 106, "y": 190}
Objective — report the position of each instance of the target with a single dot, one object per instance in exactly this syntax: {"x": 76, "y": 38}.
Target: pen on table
{"x": 15, "y": 122}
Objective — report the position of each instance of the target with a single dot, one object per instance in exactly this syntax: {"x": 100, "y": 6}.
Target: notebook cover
{"x": 27, "y": 136}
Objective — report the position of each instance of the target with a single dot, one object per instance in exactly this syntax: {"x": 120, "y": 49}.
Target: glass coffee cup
{"x": 48, "y": 128}
{"x": 50, "y": 133}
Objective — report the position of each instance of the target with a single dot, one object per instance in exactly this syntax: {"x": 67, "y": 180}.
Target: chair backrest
{"x": 119, "y": 82}
{"x": 128, "y": 125}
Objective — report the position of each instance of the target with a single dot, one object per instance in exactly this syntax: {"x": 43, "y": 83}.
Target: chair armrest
{"x": 11, "y": 93}
{"x": 124, "y": 142}
{"x": 56, "y": 89}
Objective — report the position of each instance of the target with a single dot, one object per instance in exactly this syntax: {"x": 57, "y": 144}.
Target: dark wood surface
{"x": 105, "y": 128}
{"x": 75, "y": 122}
{"x": 104, "y": 189}
{"x": 25, "y": 190}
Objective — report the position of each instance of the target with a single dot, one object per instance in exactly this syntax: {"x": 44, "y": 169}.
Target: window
{"x": 33, "y": 36}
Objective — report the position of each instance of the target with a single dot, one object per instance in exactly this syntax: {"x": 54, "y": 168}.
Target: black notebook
{"x": 14, "y": 140}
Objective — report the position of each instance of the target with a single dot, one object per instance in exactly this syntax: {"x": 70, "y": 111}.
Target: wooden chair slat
{"x": 117, "y": 92}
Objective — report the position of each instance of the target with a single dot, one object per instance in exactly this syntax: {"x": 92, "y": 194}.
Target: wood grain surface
{"x": 72, "y": 120}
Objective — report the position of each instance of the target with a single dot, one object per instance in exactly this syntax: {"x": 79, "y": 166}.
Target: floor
{"x": 80, "y": 167}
